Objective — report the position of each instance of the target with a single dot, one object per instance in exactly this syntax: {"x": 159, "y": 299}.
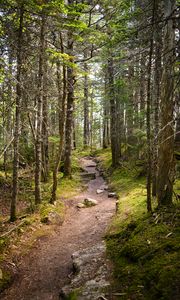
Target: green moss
{"x": 73, "y": 295}
{"x": 144, "y": 248}
{"x": 69, "y": 187}
{"x": 5, "y": 281}
{"x": 3, "y": 243}
{"x": 145, "y": 254}
{"x": 46, "y": 208}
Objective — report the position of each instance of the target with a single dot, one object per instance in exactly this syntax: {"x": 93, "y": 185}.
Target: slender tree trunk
{"x": 114, "y": 146}
{"x": 166, "y": 142}
{"x": 148, "y": 116}
{"x": 156, "y": 90}
{"x": 91, "y": 119}
{"x": 130, "y": 113}
{"x": 142, "y": 91}
{"x": 148, "y": 132}
{"x": 106, "y": 130}
{"x": 38, "y": 154}
{"x": 17, "y": 116}
{"x": 70, "y": 104}
{"x": 86, "y": 104}
{"x": 45, "y": 144}
{"x": 118, "y": 127}
{"x": 8, "y": 123}
{"x": 62, "y": 121}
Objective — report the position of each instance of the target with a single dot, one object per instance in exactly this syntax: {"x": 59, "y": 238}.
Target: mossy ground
{"x": 144, "y": 248}
{"x": 5, "y": 280}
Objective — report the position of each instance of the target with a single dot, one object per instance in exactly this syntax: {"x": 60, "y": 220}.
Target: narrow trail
{"x": 44, "y": 271}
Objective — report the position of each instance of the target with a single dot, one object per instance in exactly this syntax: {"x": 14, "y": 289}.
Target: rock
{"x": 104, "y": 187}
{"x": 81, "y": 205}
{"x": 88, "y": 176}
{"x": 90, "y": 281}
{"x": 99, "y": 191}
{"x": 53, "y": 218}
{"x": 93, "y": 165}
{"x": 112, "y": 195}
{"x": 90, "y": 202}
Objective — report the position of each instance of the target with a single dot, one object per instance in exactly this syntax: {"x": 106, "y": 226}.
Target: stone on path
{"x": 104, "y": 187}
{"x": 90, "y": 202}
{"x": 112, "y": 195}
{"x": 99, "y": 191}
{"x": 88, "y": 176}
{"x": 91, "y": 273}
{"x": 93, "y": 165}
{"x": 81, "y": 205}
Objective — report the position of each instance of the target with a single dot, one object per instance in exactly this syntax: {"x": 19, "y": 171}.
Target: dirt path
{"x": 44, "y": 271}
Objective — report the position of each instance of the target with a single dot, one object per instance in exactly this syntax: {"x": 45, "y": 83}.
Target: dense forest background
{"x": 94, "y": 79}
{"x": 84, "y": 75}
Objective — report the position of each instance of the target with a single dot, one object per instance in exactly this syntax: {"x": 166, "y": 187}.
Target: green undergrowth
{"x": 144, "y": 248}
{"x": 5, "y": 280}
{"x": 47, "y": 208}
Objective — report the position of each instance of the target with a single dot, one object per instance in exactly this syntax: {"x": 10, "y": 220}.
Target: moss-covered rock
{"x": 52, "y": 214}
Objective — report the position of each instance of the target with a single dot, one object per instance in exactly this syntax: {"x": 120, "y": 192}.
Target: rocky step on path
{"x": 90, "y": 279}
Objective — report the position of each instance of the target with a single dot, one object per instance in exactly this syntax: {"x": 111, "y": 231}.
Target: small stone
{"x": 99, "y": 191}
{"x": 104, "y": 187}
{"x": 112, "y": 195}
{"x": 90, "y": 202}
{"x": 81, "y": 205}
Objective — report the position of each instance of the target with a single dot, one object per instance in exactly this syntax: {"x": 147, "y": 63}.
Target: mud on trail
{"x": 46, "y": 269}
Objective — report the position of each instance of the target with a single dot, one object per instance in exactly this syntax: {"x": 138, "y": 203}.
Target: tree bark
{"x": 111, "y": 94}
{"x": 86, "y": 104}
{"x": 106, "y": 125}
{"x": 156, "y": 90}
{"x": 166, "y": 142}
{"x": 17, "y": 117}
{"x": 70, "y": 104}
{"x": 62, "y": 121}
{"x": 148, "y": 114}
{"x": 38, "y": 154}
{"x": 45, "y": 133}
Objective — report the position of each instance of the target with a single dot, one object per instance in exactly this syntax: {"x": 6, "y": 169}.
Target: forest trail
{"x": 44, "y": 271}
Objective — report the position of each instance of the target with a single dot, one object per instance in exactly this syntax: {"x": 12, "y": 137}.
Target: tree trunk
{"x": 142, "y": 91}
{"x": 62, "y": 120}
{"x": 70, "y": 104}
{"x": 156, "y": 90}
{"x": 45, "y": 144}
{"x": 130, "y": 113}
{"x": 111, "y": 94}
{"x": 166, "y": 142}
{"x": 148, "y": 115}
{"x": 86, "y": 104}
{"x": 38, "y": 154}
{"x": 8, "y": 122}
{"x": 17, "y": 116}
{"x": 106, "y": 139}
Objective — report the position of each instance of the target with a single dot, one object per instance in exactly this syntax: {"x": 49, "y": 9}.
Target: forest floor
{"x": 46, "y": 268}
